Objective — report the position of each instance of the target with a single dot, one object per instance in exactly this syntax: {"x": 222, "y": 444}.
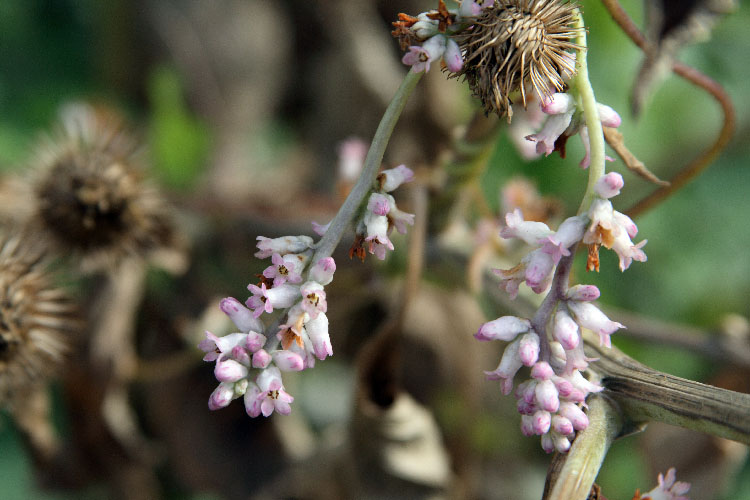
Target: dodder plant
{"x": 532, "y": 53}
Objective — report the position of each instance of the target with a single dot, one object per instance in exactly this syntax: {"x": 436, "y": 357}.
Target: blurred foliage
{"x": 179, "y": 142}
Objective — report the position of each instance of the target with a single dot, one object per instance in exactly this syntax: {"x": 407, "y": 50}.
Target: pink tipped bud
{"x": 452, "y": 56}
{"x": 561, "y": 425}
{"x": 229, "y": 370}
{"x": 562, "y": 444}
{"x": 527, "y": 425}
{"x": 557, "y": 104}
{"x": 542, "y": 371}
{"x": 528, "y": 349}
{"x": 221, "y": 397}
{"x": 255, "y": 341}
{"x": 379, "y": 204}
{"x": 240, "y": 315}
{"x": 575, "y": 415}
{"x": 583, "y": 293}
{"x": 241, "y": 355}
{"x": 609, "y": 185}
{"x": 392, "y": 178}
{"x": 609, "y": 116}
{"x": 548, "y": 444}
{"x": 288, "y": 361}
{"x": 504, "y": 328}
{"x": 261, "y": 359}
{"x": 541, "y": 422}
{"x": 547, "y": 395}
{"x": 565, "y": 329}
{"x": 322, "y": 271}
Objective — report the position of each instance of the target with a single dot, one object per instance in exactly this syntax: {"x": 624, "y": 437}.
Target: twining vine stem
{"x": 695, "y": 167}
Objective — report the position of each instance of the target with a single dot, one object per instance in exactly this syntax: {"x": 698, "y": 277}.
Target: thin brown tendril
{"x": 692, "y": 75}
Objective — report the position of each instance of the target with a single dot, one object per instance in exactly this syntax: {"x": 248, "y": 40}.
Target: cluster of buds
{"x": 250, "y": 364}
{"x": 381, "y": 215}
{"x": 551, "y": 402}
{"x": 566, "y": 120}
{"x": 428, "y": 36}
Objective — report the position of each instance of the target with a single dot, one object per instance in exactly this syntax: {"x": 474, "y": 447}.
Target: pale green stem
{"x": 591, "y": 115}
{"x": 364, "y": 185}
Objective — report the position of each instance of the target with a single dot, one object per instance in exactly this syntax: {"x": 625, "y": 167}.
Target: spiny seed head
{"x": 90, "y": 196}
{"x": 36, "y": 319}
{"x": 517, "y": 43}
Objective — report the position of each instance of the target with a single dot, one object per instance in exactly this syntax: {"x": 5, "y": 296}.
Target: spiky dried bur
{"x": 90, "y": 195}
{"x": 515, "y": 44}
{"x": 37, "y": 320}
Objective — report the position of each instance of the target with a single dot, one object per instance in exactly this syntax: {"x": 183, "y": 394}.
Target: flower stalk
{"x": 346, "y": 213}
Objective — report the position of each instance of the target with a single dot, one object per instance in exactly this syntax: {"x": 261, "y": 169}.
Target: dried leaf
{"x": 616, "y": 141}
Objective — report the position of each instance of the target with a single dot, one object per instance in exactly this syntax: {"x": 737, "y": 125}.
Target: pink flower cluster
{"x": 551, "y": 402}
{"x": 247, "y": 362}
{"x": 565, "y": 120}
{"x": 382, "y": 214}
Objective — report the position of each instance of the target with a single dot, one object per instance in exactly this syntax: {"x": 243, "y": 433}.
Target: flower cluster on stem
{"x": 550, "y": 344}
{"x": 249, "y": 363}
{"x": 428, "y": 37}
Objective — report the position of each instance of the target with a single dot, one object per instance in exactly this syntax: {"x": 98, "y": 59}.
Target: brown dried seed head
{"x": 36, "y": 320}
{"x": 90, "y": 196}
{"x": 515, "y": 44}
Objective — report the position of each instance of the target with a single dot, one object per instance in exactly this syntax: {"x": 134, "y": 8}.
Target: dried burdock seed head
{"x": 91, "y": 199}
{"x": 36, "y": 319}
{"x": 515, "y": 44}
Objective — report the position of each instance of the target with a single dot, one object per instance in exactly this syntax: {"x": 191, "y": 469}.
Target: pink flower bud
{"x": 548, "y": 444}
{"x": 542, "y": 371}
{"x": 527, "y": 425}
{"x": 584, "y": 293}
{"x": 255, "y": 341}
{"x": 379, "y": 204}
{"x": 589, "y": 316}
{"x": 547, "y": 395}
{"x": 609, "y": 116}
{"x": 541, "y": 422}
{"x": 288, "y": 361}
{"x": 392, "y": 178}
{"x": 565, "y": 329}
{"x": 221, "y": 397}
{"x": 452, "y": 56}
{"x": 504, "y": 328}
{"x": 561, "y": 425}
{"x": 322, "y": 271}
{"x": 528, "y": 349}
{"x": 229, "y": 370}
{"x": 575, "y": 415}
{"x": 558, "y": 103}
{"x": 261, "y": 359}
{"x": 241, "y": 355}
{"x": 240, "y": 315}
{"x": 609, "y": 185}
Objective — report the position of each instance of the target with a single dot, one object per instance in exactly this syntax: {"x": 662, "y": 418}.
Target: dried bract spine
{"x": 36, "y": 320}
{"x": 518, "y": 43}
